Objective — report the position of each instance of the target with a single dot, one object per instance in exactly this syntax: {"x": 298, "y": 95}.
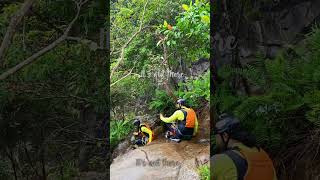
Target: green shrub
{"x": 119, "y": 130}
{"x": 204, "y": 172}
{"x": 5, "y": 174}
{"x": 192, "y": 29}
{"x": 69, "y": 171}
{"x": 195, "y": 91}
{"x": 162, "y": 102}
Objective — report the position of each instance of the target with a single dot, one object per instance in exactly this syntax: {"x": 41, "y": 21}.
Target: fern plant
{"x": 119, "y": 130}
{"x": 162, "y": 102}
{"x": 291, "y": 91}
{"x": 195, "y": 91}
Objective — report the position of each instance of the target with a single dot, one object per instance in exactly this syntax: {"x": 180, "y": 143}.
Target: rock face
{"x": 121, "y": 148}
{"x": 203, "y": 134}
{"x": 259, "y": 31}
{"x": 199, "y": 67}
{"x": 161, "y": 160}
{"x": 278, "y": 24}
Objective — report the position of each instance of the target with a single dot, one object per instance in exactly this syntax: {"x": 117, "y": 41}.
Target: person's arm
{"x": 148, "y": 131}
{"x": 195, "y": 127}
{"x": 222, "y": 168}
{"x": 175, "y": 116}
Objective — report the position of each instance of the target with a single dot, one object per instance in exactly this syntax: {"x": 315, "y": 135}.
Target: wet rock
{"x": 199, "y": 67}
{"x": 121, "y": 148}
{"x": 151, "y": 120}
{"x": 202, "y": 159}
{"x": 159, "y": 130}
{"x": 160, "y": 160}
{"x": 204, "y": 141}
{"x": 188, "y": 170}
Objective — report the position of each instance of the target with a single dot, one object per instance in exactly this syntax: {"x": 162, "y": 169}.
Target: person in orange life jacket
{"x": 143, "y": 134}
{"x": 187, "y": 122}
{"x": 240, "y": 158}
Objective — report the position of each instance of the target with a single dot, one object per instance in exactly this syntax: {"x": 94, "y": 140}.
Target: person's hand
{"x": 173, "y": 125}
{"x": 161, "y": 115}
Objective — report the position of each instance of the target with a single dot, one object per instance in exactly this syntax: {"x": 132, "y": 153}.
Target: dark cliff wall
{"x": 262, "y": 26}
{"x": 244, "y": 29}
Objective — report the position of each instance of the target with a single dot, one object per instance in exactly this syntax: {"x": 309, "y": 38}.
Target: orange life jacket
{"x": 189, "y": 117}
{"x": 258, "y": 165}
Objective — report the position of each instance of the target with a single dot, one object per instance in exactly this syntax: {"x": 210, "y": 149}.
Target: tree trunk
{"x": 29, "y": 160}
{"x": 44, "y": 174}
{"x": 13, "y": 164}
{"x": 214, "y": 56}
{"x": 88, "y": 122}
{"x": 15, "y": 21}
{"x": 169, "y": 86}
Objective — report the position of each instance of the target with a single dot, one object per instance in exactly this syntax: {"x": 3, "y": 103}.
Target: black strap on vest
{"x": 184, "y": 121}
{"x": 185, "y": 114}
{"x": 240, "y": 163}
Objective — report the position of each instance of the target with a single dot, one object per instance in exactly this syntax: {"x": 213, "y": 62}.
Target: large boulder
{"x": 161, "y": 160}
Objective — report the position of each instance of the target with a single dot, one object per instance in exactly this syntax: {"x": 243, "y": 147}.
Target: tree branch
{"x": 35, "y": 56}
{"x": 93, "y": 45}
{"x": 129, "y": 41}
{"x": 122, "y": 77}
{"x": 14, "y": 22}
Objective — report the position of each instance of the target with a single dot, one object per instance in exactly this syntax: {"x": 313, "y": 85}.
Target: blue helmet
{"x": 181, "y": 101}
{"x": 136, "y": 122}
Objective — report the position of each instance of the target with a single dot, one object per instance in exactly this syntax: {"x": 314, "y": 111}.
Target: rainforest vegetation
{"x": 53, "y": 93}
{"x": 148, "y": 40}
{"x": 276, "y": 97}
{"x": 55, "y": 64}
{"x": 156, "y": 47}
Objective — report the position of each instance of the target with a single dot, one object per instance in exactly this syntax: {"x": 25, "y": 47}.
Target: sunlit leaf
{"x": 165, "y": 23}
{"x": 185, "y": 7}
{"x": 205, "y": 19}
